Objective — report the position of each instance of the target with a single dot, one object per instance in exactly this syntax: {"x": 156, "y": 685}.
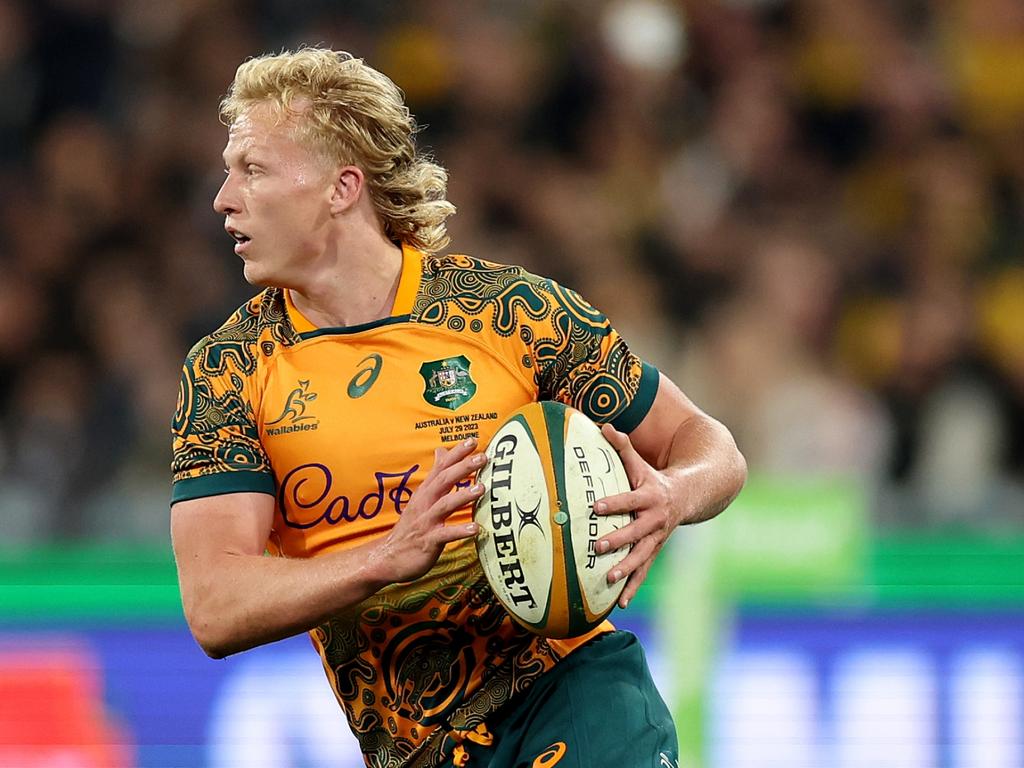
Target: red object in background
{"x": 52, "y": 713}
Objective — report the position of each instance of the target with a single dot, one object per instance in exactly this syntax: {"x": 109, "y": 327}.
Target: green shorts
{"x": 598, "y": 708}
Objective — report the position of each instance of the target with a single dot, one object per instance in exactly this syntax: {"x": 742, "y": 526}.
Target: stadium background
{"x": 810, "y": 213}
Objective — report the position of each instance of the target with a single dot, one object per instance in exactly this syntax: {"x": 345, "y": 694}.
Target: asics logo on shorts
{"x": 550, "y": 756}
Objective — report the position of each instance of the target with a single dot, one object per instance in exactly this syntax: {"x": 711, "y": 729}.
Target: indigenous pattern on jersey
{"x": 340, "y": 426}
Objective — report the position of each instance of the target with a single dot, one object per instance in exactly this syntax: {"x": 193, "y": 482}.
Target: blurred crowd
{"x": 810, "y": 213}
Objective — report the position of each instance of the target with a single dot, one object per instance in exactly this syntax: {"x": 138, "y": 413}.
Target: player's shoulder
{"x": 474, "y": 285}
{"x": 257, "y": 327}
{"x": 468, "y": 280}
{"x": 465, "y": 272}
{"x": 457, "y": 290}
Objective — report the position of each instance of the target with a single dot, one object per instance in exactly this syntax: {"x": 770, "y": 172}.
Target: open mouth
{"x": 241, "y": 239}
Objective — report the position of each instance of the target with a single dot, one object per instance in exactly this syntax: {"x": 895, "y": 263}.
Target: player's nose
{"x": 227, "y": 199}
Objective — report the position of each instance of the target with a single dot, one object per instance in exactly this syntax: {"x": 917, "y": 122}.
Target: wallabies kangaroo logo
{"x": 295, "y": 406}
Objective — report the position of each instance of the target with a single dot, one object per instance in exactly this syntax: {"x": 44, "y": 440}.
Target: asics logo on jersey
{"x": 294, "y": 410}
{"x": 365, "y": 377}
{"x": 550, "y": 756}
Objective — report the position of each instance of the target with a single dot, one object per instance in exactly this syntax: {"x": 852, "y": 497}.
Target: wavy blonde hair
{"x": 351, "y": 113}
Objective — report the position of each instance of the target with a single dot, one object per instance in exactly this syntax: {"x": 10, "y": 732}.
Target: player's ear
{"x": 348, "y": 186}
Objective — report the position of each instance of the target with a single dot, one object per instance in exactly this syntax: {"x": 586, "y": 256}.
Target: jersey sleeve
{"x": 216, "y": 445}
{"x": 583, "y": 362}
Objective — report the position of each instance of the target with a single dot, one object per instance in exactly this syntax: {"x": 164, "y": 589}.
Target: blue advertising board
{"x": 887, "y": 689}
{"x": 175, "y": 708}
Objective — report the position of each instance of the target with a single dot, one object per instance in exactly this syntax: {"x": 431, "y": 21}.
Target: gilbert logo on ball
{"x": 548, "y": 464}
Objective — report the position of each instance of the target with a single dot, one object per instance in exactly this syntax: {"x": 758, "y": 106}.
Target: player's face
{"x": 275, "y": 199}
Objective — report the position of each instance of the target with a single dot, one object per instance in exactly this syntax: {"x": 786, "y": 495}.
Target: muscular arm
{"x": 703, "y": 468}
{"x": 683, "y": 466}
{"x": 235, "y": 598}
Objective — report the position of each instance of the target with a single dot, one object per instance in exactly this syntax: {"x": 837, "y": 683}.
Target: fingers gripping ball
{"x": 548, "y": 464}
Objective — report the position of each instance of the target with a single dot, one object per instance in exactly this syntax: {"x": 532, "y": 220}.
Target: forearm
{"x": 683, "y": 467}
{"x": 235, "y": 598}
{"x": 704, "y": 469}
{"x": 237, "y": 601}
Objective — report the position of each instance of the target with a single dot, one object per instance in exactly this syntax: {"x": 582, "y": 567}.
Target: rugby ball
{"x": 548, "y": 464}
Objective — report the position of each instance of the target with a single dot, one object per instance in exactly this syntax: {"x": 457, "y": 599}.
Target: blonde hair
{"x": 354, "y": 114}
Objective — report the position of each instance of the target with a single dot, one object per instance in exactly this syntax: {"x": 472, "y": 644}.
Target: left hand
{"x": 655, "y": 511}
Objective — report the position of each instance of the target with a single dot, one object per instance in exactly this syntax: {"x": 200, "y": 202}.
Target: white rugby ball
{"x": 548, "y": 464}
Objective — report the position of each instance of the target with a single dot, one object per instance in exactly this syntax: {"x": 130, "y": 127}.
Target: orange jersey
{"x": 340, "y": 426}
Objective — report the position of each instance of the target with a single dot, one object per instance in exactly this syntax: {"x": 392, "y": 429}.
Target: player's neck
{"x": 354, "y": 285}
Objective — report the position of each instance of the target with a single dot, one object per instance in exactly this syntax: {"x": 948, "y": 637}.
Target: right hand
{"x": 421, "y": 533}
